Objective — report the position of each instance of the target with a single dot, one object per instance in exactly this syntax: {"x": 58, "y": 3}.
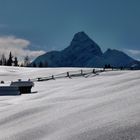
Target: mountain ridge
{"x": 84, "y": 52}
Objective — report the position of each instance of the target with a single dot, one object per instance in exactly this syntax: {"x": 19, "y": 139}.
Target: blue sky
{"x": 32, "y": 27}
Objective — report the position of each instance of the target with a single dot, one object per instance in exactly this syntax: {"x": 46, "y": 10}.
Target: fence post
{"x": 53, "y": 77}
{"x": 81, "y": 72}
{"x": 38, "y": 79}
{"x": 68, "y": 75}
{"x": 93, "y": 71}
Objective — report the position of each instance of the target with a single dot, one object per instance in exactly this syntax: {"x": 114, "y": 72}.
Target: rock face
{"x": 81, "y": 50}
{"x": 84, "y": 52}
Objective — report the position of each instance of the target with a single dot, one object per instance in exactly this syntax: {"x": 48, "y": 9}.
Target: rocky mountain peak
{"x": 80, "y": 37}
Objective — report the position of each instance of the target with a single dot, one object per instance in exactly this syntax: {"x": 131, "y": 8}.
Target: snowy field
{"x": 102, "y": 107}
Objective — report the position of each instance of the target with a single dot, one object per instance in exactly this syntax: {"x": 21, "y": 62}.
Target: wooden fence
{"x": 71, "y": 74}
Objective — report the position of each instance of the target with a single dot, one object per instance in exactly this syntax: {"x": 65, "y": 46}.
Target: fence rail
{"x": 70, "y": 74}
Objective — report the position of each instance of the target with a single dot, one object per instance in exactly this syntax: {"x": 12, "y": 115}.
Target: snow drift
{"x": 103, "y": 107}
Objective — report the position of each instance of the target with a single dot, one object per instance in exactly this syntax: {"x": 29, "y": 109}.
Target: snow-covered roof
{"x": 22, "y": 83}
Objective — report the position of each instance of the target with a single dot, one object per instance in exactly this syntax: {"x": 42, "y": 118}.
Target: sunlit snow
{"x": 102, "y": 107}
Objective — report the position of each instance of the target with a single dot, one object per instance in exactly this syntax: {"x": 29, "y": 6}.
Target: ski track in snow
{"x": 102, "y": 107}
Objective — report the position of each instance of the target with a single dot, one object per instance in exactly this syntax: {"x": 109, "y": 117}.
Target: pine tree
{"x": 109, "y": 66}
{"x": 105, "y": 66}
{"x": 10, "y": 60}
{"x": 16, "y": 62}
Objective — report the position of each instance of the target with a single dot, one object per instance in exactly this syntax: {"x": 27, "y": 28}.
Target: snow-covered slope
{"x": 103, "y": 107}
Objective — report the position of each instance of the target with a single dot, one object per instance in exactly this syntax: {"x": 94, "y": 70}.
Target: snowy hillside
{"x": 102, "y": 107}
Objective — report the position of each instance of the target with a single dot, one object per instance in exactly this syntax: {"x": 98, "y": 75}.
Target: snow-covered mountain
{"x": 84, "y": 52}
{"x": 117, "y": 58}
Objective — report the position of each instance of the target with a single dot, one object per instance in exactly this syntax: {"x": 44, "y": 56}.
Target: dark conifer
{"x": 16, "y": 62}
{"x": 10, "y": 60}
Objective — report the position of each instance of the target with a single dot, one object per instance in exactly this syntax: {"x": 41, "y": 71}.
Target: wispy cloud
{"x": 133, "y": 53}
{"x": 12, "y": 42}
{"x": 18, "y": 47}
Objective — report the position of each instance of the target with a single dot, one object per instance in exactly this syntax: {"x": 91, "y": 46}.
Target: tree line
{"x": 13, "y": 61}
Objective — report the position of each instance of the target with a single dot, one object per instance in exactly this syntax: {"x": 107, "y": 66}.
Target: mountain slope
{"x": 117, "y": 58}
{"x": 84, "y": 52}
{"x": 53, "y": 59}
{"x": 80, "y": 51}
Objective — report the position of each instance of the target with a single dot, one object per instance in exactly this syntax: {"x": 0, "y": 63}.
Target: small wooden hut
{"x": 23, "y": 86}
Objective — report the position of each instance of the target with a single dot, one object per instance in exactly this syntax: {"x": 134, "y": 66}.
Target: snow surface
{"x": 102, "y": 107}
